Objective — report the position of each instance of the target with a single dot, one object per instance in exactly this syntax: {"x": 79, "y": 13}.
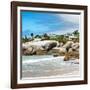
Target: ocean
{"x": 46, "y": 66}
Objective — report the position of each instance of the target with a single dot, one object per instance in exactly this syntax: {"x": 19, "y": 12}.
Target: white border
{"x": 81, "y": 77}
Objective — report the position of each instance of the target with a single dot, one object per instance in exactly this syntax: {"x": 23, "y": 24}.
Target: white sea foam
{"x": 46, "y": 65}
{"x": 42, "y": 59}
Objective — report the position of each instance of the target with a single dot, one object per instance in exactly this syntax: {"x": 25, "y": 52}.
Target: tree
{"x": 37, "y": 36}
{"x": 25, "y": 39}
{"x": 61, "y": 38}
{"x": 32, "y": 35}
{"x": 46, "y": 37}
{"x": 76, "y": 33}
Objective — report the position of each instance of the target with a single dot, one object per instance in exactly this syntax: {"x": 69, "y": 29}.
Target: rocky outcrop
{"x": 75, "y": 46}
{"x": 70, "y": 50}
{"x": 50, "y": 47}
{"x": 71, "y": 55}
{"x": 41, "y": 52}
{"x": 62, "y": 50}
{"x": 58, "y": 51}
{"x": 29, "y": 51}
{"x": 73, "y": 52}
{"x": 68, "y": 44}
{"x": 40, "y": 47}
{"x": 61, "y": 44}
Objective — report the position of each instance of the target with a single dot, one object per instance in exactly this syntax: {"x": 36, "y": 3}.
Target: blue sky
{"x": 51, "y": 23}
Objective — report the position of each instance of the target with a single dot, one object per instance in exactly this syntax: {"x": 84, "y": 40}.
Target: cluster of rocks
{"x": 38, "y": 48}
{"x": 49, "y": 47}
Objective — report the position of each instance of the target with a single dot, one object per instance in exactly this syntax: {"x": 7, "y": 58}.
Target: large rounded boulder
{"x": 68, "y": 44}
{"x": 75, "y": 46}
{"x": 50, "y": 45}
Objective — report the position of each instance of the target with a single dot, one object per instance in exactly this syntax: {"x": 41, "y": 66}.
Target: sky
{"x": 50, "y": 23}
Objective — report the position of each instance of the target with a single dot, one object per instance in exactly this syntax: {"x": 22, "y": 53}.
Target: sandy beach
{"x": 51, "y": 66}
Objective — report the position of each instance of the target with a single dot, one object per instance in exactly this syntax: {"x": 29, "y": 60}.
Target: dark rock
{"x": 49, "y": 46}
{"x": 71, "y": 55}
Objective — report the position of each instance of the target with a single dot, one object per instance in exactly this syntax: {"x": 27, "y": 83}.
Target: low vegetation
{"x": 60, "y": 38}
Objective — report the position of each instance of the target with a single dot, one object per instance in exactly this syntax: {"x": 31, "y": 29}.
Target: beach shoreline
{"x": 51, "y": 67}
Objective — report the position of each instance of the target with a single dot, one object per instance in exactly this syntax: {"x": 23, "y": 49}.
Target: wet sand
{"x": 50, "y": 68}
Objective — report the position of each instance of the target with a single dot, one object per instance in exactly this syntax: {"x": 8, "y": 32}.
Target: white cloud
{"x": 71, "y": 18}
{"x": 59, "y": 32}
